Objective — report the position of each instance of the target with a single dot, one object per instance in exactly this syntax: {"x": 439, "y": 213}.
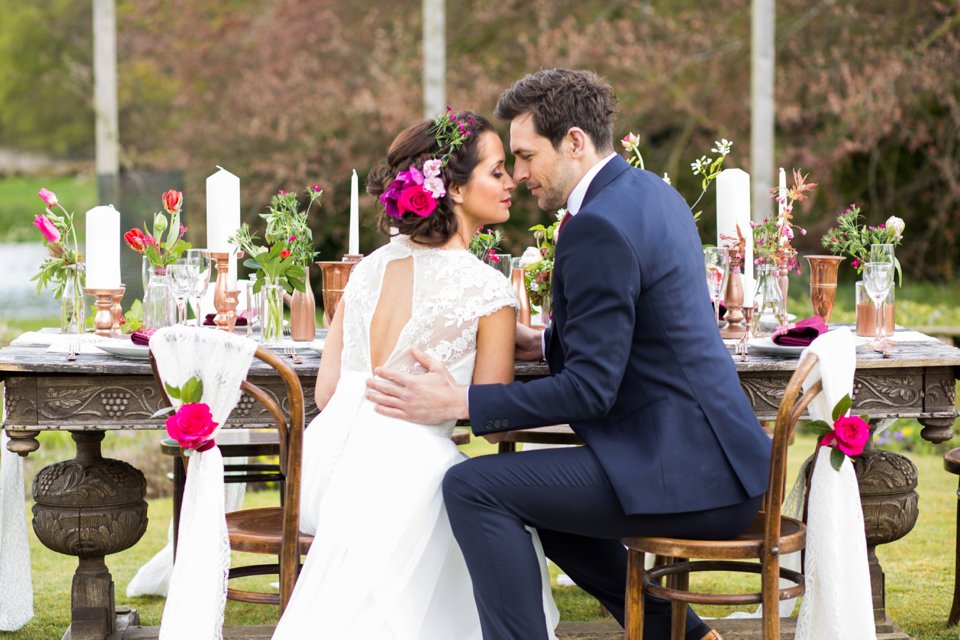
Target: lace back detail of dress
{"x": 452, "y": 290}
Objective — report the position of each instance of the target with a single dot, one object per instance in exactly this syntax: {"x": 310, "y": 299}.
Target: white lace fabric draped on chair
{"x": 837, "y": 601}
{"x": 198, "y": 585}
{"x": 16, "y": 588}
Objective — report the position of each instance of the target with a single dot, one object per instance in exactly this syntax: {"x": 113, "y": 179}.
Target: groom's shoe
{"x": 712, "y": 635}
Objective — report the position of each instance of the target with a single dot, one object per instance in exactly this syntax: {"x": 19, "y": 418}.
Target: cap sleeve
{"x": 493, "y": 292}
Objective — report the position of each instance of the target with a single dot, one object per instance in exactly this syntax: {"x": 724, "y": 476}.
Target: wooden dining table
{"x": 92, "y": 506}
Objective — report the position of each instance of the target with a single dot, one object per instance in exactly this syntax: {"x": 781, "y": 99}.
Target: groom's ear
{"x": 576, "y": 141}
{"x": 456, "y": 194}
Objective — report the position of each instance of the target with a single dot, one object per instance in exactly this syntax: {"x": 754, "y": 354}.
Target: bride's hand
{"x": 528, "y": 345}
{"x": 430, "y": 398}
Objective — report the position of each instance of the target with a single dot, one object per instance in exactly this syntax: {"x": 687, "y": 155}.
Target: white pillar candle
{"x": 354, "y": 239}
{"x": 733, "y": 210}
{"x": 223, "y": 214}
{"x": 749, "y": 288}
{"x": 103, "y": 248}
{"x": 782, "y": 190}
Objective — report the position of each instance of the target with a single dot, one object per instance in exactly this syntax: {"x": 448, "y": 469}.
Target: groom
{"x": 637, "y": 369}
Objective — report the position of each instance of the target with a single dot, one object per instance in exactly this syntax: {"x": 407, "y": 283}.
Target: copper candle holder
{"x": 222, "y": 263}
{"x": 117, "y": 310}
{"x": 335, "y": 277}
{"x": 733, "y": 297}
{"x": 103, "y": 321}
{"x": 230, "y": 301}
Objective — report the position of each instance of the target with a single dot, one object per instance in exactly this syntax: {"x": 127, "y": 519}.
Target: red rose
{"x": 136, "y": 239}
{"x": 172, "y": 201}
{"x": 415, "y": 199}
{"x": 284, "y": 254}
{"x": 191, "y": 425}
{"x": 850, "y": 433}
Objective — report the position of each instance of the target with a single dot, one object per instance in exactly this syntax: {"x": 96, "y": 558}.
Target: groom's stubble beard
{"x": 561, "y": 181}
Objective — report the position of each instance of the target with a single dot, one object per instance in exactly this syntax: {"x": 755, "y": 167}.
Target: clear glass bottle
{"x": 159, "y": 303}
{"x": 271, "y": 312}
{"x": 73, "y": 308}
{"x": 769, "y": 299}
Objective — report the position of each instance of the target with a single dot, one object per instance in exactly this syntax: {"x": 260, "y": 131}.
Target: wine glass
{"x": 715, "y": 261}
{"x": 183, "y": 276}
{"x": 878, "y": 279}
{"x": 199, "y": 258}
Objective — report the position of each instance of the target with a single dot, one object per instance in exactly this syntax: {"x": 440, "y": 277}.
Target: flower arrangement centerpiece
{"x": 161, "y": 246}
{"x": 63, "y": 266}
{"x": 282, "y": 263}
{"x": 847, "y": 435}
{"x": 706, "y": 167}
{"x": 851, "y": 239}
{"x": 484, "y": 245}
{"x": 537, "y": 265}
{"x": 772, "y": 238}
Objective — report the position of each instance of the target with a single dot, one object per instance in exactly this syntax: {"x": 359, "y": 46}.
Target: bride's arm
{"x": 329, "y": 373}
{"x": 496, "y": 335}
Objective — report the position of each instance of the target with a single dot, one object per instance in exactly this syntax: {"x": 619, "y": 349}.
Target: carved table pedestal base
{"x": 90, "y": 507}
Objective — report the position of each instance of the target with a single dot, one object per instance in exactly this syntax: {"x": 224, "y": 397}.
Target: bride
{"x": 384, "y": 563}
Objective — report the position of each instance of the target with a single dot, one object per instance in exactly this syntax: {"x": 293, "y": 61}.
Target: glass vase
{"x": 271, "y": 312}
{"x": 73, "y": 308}
{"x": 159, "y": 303}
{"x": 770, "y": 312}
{"x": 867, "y": 312}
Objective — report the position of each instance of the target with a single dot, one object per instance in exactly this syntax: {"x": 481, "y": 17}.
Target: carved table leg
{"x": 89, "y": 507}
{"x": 936, "y": 430}
{"x": 22, "y": 442}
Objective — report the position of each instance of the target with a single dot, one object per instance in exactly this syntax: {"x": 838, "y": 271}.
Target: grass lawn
{"x": 19, "y": 202}
{"x": 918, "y": 568}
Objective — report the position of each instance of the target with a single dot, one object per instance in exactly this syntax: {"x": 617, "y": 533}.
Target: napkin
{"x": 241, "y": 319}
{"x": 141, "y": 336}
{"x": 799, "y": 334}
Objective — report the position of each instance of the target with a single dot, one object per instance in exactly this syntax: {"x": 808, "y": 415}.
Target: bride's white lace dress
{"x": 384, "y": 563}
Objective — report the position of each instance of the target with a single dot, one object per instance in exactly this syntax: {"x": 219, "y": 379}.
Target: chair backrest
{"x": 290, "y": 431}
{"x": 792, "y": 406}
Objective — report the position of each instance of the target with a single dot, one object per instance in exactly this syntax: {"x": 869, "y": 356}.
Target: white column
{"x": 762, "y": 76}
{"x": 105, "y": 87}
{"x": 434, "y": 58}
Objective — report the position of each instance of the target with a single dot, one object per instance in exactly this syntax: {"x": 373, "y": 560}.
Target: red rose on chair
{"x": 850, "y": 433}
{"x": 191, "y": 426}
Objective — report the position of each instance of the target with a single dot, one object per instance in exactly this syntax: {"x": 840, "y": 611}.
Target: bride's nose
{"x": 509, "y": 184}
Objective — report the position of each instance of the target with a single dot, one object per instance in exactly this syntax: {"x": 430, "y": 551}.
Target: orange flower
{"x": 799, "y": 187}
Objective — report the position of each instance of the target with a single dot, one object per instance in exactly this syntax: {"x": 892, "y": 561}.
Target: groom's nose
{"x": 520, "y": 171}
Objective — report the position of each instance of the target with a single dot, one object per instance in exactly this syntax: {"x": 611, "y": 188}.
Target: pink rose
{"x": 416, "y": 200}
{"x": 850, "y": 433}
{"x": 48, "y": 197}
{"x": 191, "y": 425}
{"x": 46, "y": 227}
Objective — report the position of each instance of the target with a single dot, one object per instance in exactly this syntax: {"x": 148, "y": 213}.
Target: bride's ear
{"x": 456, "y": 193}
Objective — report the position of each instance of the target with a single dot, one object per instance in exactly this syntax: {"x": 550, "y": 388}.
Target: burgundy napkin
{"x": 241, "y": 319}
{"x": 799, "y": 334}
{"x": 141, "y": 336}
{"x": 723, "y": 309}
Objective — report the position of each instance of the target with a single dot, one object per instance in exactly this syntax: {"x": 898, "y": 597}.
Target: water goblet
{"x": 199, "y": 258}
{"x": 878, "y": 279}
{"x": 882, "y": 253}
{"x": 716, "y": 261}
{"x": 183, "y": 276}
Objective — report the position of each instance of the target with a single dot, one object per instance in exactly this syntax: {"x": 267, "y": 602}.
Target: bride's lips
{"x": 507, "y": 201}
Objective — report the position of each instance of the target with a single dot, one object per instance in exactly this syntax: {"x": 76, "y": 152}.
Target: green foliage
{"x": 485, "y": 242}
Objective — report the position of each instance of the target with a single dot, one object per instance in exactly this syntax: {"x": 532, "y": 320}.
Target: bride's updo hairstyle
{"x": 416, "y": 147}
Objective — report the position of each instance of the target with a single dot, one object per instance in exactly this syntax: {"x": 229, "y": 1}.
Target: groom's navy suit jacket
{"x": 637, "y": 365}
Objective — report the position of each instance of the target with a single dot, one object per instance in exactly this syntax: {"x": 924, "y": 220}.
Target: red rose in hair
{"x": 415, "y": 199}
{"x": 136, "y": 239}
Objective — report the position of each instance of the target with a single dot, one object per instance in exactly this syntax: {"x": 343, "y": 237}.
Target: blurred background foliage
{"x": 295, "y": 92}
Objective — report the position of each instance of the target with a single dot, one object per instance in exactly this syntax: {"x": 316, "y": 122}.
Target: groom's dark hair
{"x": 559, "y": 99}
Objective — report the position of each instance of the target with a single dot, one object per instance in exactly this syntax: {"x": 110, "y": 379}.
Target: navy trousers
{"x": 566, "y": 496}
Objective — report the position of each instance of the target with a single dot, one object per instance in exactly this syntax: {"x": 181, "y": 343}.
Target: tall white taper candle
{"x": 354, "y": 239}
{"x": 103, "y": 248}
{"x": 782, "y": 190}
{"x": 733, "y": 210}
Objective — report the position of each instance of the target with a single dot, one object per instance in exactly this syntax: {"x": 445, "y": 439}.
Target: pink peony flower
{"x": 416, "y": 200}
{"x": 48, "y": 197}
{"x": 46, "y": 227}
{"x": 191, "y": 425}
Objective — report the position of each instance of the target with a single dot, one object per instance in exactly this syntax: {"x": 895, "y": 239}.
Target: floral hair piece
{"x": 413, "y": 191}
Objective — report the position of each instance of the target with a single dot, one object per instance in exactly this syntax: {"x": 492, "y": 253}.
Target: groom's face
{"x": 547, "y": 172}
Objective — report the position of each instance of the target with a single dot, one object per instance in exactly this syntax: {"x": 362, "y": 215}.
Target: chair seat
{"x": 951, "y": 461}
{"x": 259, "y": 531}
{"x": 235, "y": 443}
{"x": 748, "y": 544}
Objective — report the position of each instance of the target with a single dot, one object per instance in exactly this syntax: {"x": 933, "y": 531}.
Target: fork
{"x": 292, "y": 353}
{"x": 74, "y": 350}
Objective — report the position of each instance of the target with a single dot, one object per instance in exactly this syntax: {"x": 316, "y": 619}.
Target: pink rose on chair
{"x": 47, "y": 228}
{"x": 850, "y": 435}
{"x": 191, "y": 426}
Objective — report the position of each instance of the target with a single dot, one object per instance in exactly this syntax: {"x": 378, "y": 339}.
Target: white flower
{"x": 560, "y": 214}
{"x": 431, "y": 168}
{"x": 897, "y": 224}
{"x": 529, "y": 257}
{"x": 534, "y": 286}
{"x": 666, "y": 178}
{"x": 722, "y": 147}
{"x": 434, "y": 186}
{"x": 700, "y": 166}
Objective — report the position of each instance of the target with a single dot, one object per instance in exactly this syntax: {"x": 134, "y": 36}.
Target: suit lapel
{"x": 611, "y": 170}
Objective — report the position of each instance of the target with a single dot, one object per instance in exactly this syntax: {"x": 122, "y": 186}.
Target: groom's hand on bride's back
{"x": 529, "y": 343}
{"x": 429, "y": 398}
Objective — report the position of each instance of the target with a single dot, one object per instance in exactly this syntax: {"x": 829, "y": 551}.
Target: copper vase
{"x": 303, "y": 312}
{"x": 335, "y": 278}
{"x": 823, "y": 284}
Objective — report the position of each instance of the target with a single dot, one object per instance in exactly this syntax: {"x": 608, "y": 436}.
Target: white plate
{"x": 317, "y": 345}
{"x": 125, "y": 349}
{"x": 767, "y": 346}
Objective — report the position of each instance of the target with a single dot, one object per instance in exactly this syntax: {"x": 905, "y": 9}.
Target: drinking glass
{"x": 878, "y": 279}
{"x": 183, "y": 275}
{"x": 882, "y": 253}
{"x": 715, "y": 261}
{"x": 199, "y": 258}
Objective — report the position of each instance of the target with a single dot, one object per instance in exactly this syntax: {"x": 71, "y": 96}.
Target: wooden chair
{"x": 951, "y": 462}
{"x": 770, "y": 536}
{"x": 273, "y": 530}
